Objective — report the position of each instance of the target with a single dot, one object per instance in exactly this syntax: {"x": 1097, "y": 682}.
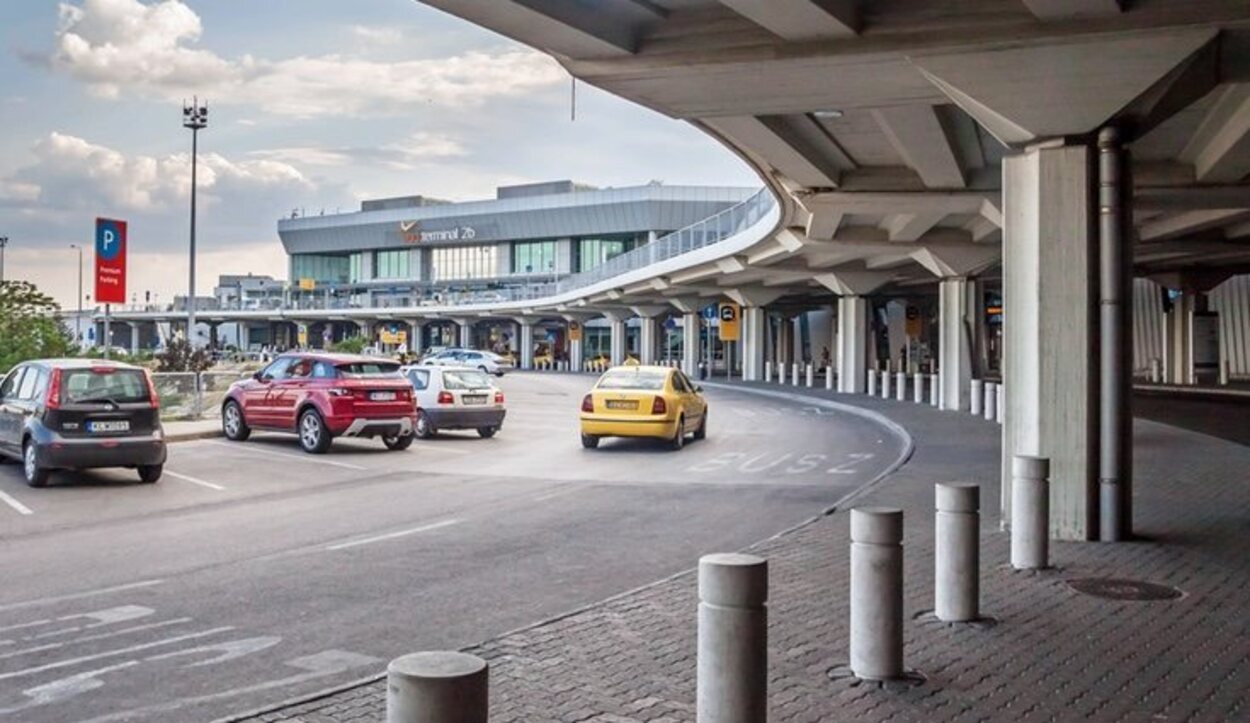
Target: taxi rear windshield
{"x": 368, "y": 369}
{"x": 635, "y": 379}
{"x": 120, "y": 386}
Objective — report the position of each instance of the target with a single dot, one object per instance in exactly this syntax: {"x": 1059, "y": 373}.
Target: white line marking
{"x": 194, "y": 480}
{"x": 310, "y": 459}
{"x": 392, "y": 535}
{"x": 559, "y": 493}
{"x": 11, "y": 502}
{"x": 100, "y": 636}
{"x": 110, "y": 653}
{"x": 79, "y": 595}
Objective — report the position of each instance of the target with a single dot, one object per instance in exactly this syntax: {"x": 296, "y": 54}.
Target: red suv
{"x": 323, "y": 396}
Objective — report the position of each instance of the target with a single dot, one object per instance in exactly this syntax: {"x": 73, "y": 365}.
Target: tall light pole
{"x": 4, "y": 241}
{"x": 78, "y": 320}
{"x": 195, "y": 117}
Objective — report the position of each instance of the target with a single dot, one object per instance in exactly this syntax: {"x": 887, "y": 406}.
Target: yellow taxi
{"x": 643, "y": 401}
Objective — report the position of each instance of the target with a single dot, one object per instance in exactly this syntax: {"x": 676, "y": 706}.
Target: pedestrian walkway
{"x": 1047, "y": 651}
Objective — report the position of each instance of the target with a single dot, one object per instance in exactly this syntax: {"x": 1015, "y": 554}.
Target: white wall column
{"x": 852, "y": 343}
{"x": 616, "y": 352}
{"x": 954, "y": 342}
{"x": 1050, "y": 359}
{"x": 752, "y": 335}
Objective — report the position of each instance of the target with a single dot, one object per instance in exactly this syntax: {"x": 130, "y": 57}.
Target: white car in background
{"x": 455, "y": 398}
{"x": 484, "y": 361}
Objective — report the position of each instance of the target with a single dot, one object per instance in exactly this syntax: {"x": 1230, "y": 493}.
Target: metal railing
{"x": 187, "y": 395}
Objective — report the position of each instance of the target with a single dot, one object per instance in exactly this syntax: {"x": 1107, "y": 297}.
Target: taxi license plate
{"x": 617, "y": 404}
{"x": 478, "y": 399}
{"x": 382, "y": 396}
{"x": 119, "y": 426}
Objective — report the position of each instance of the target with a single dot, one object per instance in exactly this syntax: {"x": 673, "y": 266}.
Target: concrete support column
{"x": 134, "y": 337}
{"x": 732, "y": 667}
{"x": 876, "y": 593}
{"x": 466, "y": 333}
{"x": 690, "y": 344}
{"x": 648, "y": 340}
{"x": 1050, "y": 354}
{"x": 526, "y": 344}
{"x": 852, "y": 343}
{"x": 753, "y": 335}
{"x": 616, "y": 351}
{"x": 955, "y": 341}
{"x": 437, "y": 687}
{"x": 957, "y": 552}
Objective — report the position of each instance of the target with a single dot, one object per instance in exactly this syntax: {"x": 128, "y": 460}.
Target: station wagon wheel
{"x": 233, "y": 424}
{"x": 313, "y": 435}
{"x": 423, "y": 428}
{"x": 36, "y": 476}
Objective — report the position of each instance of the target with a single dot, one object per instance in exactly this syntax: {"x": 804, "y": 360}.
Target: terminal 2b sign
{"x": 412, "y": 233}
{"x": 110, "y": 261}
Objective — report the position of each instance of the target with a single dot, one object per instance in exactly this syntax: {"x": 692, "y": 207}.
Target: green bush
{"x": 350, "y": 345}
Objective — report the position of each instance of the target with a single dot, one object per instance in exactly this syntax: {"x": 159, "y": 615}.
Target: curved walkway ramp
{"x": 1053, "y": 653}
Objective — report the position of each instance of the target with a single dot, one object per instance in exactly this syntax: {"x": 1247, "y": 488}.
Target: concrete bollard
{"x": 811, "y": 375}
{"x": 1156, "y": 371}
{"x": 885, "y": 384}
{"x": 437, "y": 687}
{"x": 1002, "y": 404}
{"x": 1030, "y": 512}
{"x": 872, "y": 383}
{"x": 794, "y": 374}
{"x": 957, "y": 552}
{"x": 781, "y": 373}
{"x": 976, "y": 397}
{"x": 876, "y": 593}
{"x": 768, "y": 371}
{"x": 917, "y": 391}
{"x": 900, "y": 390}
{"x": 933, "y": 390}
{"x": 829, "y": 378}
{"x": 733, "y": 639}
{"x": 991, "y": 401}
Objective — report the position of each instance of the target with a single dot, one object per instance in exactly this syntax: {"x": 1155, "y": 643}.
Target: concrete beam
{"x": 1189, "y": 222}
{"x": 853, "y": 283}
{"x": 563, "y": 28}
{"x": 650, "y": 311}
{"x": 687, "y": 304}
{"x": 887, "y": 203}
{"x": 801, "y": 19}
{"x": 1191, "y": 198}
{"x": 1065, "y": 9}
{"x": 965, "y": 260}
{"x": 754, "y": 296}
{"x": 911, "y": 226}
{"x": 919, "y": 136}
{"x": 791, "y": 148}
{"x": 1220, "y": 148}
{"x": 732, "y": 265}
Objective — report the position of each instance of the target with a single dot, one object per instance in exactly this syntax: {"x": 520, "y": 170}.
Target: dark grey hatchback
{"x": 81, "y": 414}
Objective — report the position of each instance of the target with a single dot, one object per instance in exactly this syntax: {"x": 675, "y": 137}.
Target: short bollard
{"x": 1030, "y": 512}
{"x": 436, "y": 687}
{"x": 872, "y": 383}
{"x": 991, "y": 401}
{"x": 829, "y": 378}
{"x": 1156, "y": 371}
{"x": 917, "y": 392}
{"x": 900, "y": 389}
{"x": 1002, "y": 404}
{"x": 957, "y": 556}
{"x": 811, "y": 375}
{"x": 733, "y": 639}
{"x": 885, "y": 384}
{"x": 876, "y": 593}
{"x": 781, "y": 373}
{"x": 975, "y": 397}
{"x": 933, "y": 390}
{"x": 768, "y": 371}
{"x": 794, "y": 374}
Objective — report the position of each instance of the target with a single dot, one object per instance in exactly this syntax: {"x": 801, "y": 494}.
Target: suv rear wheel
{"x": 232, "y": 423}
{"x": 36, "y": 476}
{"x": 400, "y": 443}
{"x": 313, "y": 435}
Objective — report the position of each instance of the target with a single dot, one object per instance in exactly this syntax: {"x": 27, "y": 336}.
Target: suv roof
{"x": 76, "y": 363}
{"x": 334, "y": 358}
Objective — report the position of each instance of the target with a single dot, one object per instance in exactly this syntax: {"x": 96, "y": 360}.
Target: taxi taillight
{"x": 658, "y": 406}
{"x": 588, "y": 403}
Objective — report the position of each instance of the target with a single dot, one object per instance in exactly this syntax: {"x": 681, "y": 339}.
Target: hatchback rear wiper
{"x": 89, "y": 400}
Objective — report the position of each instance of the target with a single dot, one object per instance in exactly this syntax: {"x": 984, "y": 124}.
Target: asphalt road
{"x": 253, "y": 572}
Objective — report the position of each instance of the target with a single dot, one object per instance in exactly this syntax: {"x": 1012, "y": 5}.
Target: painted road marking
{"x": 12, "y": 502}
{"x": 309, "y": 459}
{"x": 391, "y": 535}
{"x": 80, "y": 595}
{"x": 111, "y": 653}
{"x": 110, "y": 616}
{"x": 98, "y": 636}
{"x": 558, "y": 493}
{"x": 194, "y": 480}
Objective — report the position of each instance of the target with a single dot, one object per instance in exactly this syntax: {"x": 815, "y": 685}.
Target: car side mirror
{"x": 699, "y": 389}
{"x": 259, "y": 376}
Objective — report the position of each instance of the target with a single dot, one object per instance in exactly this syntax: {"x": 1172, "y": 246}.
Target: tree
{"x": 179, "y": 356}
{"x": 350, "y": 345}
{"x": 29, "y": 328}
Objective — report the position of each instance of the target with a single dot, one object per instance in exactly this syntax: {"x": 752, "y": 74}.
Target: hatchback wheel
{"x": 423, "y": 428}
{"x": 232, "y": 423}
{"x": 149, "y": 473}
{"x": 398, "y": 444}
{"x": 36, "y": 476}
{"x": 313, "y": 435}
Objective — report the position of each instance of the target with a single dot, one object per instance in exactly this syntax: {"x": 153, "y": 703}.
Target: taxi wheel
{"x": 590, "y": 441}
{"x": 398, "y": 444}
{"x": 701, "y": 432}
{"x": 679, "y": 439}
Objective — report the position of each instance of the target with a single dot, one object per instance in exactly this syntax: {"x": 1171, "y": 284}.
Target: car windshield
{"x": 465, "y": 379}
{"x": 119, "y": 386}
{"x": 367, "y": 369}
{"x": 645, "y": 379}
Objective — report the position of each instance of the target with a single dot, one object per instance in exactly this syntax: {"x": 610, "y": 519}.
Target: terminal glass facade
{"x": 323, "y": 269}
{"x": 392, "y": 264}
{"x": 464, "y": 262}
{"x": 534, "y": 257}
{"x": 594, "y": 252}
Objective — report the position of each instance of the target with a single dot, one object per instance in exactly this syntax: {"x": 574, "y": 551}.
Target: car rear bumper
{"x": 375, "y": 427}
{"x": 89, "y": 453}
{"x": 465, "y": 418}
{"x": 609, "y": 427}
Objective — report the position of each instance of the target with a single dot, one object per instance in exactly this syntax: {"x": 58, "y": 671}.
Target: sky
{"x": 313, "y": 105}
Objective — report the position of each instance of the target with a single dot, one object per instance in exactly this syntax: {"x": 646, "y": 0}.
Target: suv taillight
{"x": 446, "y": 398}
{"x": 498, "y": 397}
{"x": 588, "y": 403}
{"x": 153, "y": 399}
{"x": 658, "y": 406}
{"x": 54, "y": 391}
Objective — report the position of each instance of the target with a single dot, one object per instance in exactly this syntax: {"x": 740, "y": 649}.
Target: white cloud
{"x": 405, "y": 155}
{"x": 126, "y": 45}
{"x": 377, "y": 35}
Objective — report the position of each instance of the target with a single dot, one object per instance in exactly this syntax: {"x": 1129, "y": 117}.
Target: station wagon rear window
{"x": 120, "y": 386}
{"x": 367, "y": 369}
{"x": 465, "y": 379}
{"x": 633, "y": 379}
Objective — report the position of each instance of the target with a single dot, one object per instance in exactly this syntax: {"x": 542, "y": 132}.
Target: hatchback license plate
{"x": 382, "y": 396}
{"x": 119, "y": 426}
{"x": 616, "y": 404}
{"x": 476, "y": 399}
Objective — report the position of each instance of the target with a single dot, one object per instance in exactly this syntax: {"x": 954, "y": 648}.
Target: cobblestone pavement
{"x": 1047, "y": 653}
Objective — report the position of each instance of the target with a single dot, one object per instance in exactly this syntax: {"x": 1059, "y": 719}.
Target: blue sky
{"x": 313, "y": 104}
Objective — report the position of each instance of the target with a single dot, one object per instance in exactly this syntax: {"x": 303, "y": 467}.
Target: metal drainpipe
{"x": 1115, "y": 484}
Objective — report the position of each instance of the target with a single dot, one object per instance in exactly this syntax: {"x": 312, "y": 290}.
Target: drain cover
{"x": 1112, "y": 589}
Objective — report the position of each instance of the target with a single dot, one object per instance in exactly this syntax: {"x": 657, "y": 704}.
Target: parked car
{"x": 643, "y": 401}
{"x": 322, "y": 396}
{"x": 81, "y": 414}
{"x": 485, "y": 361}
{"x": 455, "y": 398}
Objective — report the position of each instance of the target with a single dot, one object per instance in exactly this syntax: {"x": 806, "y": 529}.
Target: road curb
{"x": 909, "y": 447}
{"x": 192, "y": 436}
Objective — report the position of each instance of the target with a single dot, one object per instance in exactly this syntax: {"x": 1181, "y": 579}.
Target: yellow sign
{"x": 730, "y": 314}
{"x": 914, "y": 322}
{"x": 303, "y": 335}
{"x": 307, "y": 284}
{"x": 393, "y": 337}
{"x": 575, "y": 331}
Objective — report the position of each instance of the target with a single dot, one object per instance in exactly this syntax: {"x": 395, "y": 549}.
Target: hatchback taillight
{"x": 153, "y": 398}
{"x": 498, "y": 397}
{"x": 588, "y": 403}
{"x": 54, "y": 391}
{"x": 658, "y": 406}
{"x": 446, "y": 398}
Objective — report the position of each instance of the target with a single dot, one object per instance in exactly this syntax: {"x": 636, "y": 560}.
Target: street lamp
{"x": 4, "y": 241}
{"x": 195, "y": 117}
{"x": 78, "y": 320}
